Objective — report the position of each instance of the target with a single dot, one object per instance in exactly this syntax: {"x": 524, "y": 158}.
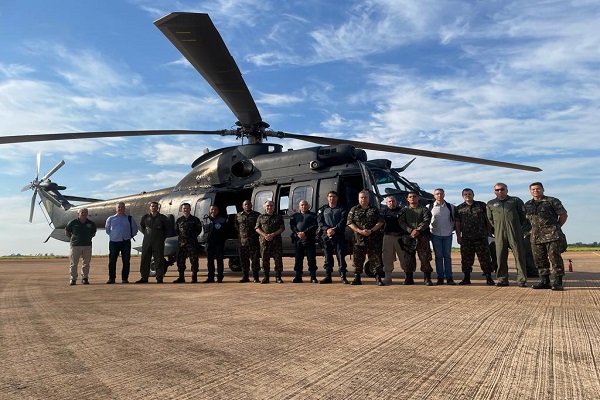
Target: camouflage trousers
{"x": 424, "y": 254}
{"x": 479, "y": 246}
{"x": 359, "y": 255}
{"x": 547, "y": 254}
{"x": 249, "y": 254}
{"x": 191, "y": 252}
{"x": 268, "y": 250}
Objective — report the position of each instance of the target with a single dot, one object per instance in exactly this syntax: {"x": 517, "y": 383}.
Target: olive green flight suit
{"x": 507, "y": 217}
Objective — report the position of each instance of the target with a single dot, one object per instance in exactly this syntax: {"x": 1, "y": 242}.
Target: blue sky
{"x": 515, "y": 81}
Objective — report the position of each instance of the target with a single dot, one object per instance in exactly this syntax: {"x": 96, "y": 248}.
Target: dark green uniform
{"x": 155, "y": 230}
{"x": 366, "y": 218}
{"x": 545, "y": 234}
{"x": 507, "y": 217}
{"x": 271, "y": 248}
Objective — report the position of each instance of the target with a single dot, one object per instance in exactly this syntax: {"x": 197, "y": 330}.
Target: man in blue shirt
{"x": 121, "y": 229}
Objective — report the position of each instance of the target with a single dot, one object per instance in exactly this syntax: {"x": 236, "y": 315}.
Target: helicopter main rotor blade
{"x": 32, "y": 205}
{"x": 406, "y": 150}
{"x": 107, "y": 134}
{"x": 197, "y": 38}
{"x": 53, "y": 170}
{"x": 38, "y": 162}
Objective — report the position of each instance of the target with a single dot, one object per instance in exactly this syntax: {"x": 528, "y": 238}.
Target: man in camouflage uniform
{"x": 249, "y": 247}
{"x": 392, "y": 234}
{"x": 547, "y": 215}
{"x": 188, "y": 228}
{"x": 415, "y": 220}
{"x": 366, "y": 222}
{"x": 507, "y": 216}
{"x": 155, "y": 227}
{"x": 472, "y": 232}
{"x": 269, "y": 227}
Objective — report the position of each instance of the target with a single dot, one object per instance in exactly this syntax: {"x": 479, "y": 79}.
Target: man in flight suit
{"x": 188, "y": 228}
{"x": 507, "y": 216}
{"x": 155, "y": 227}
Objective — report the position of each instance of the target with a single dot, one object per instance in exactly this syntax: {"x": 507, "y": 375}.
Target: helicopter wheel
{"x": 368, "y": 268}
{"x": 234, "y": 264}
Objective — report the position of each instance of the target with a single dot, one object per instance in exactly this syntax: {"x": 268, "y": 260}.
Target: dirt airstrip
{"x": 252, "y": 341}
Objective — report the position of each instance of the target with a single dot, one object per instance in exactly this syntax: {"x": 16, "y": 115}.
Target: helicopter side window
{"x": 284, "y": 200}
{"x": 202, "y": 207}
{"x": 260, "y": 198}
{"x": 302, "y": 193}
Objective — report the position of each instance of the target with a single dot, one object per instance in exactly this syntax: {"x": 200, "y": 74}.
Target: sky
{"x": 515, "y": 81}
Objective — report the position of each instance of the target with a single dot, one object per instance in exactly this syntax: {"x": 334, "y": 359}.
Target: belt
{"x": 393, "y": 233}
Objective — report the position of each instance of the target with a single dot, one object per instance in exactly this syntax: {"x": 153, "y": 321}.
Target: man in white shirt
{"x": 442, "y": 226}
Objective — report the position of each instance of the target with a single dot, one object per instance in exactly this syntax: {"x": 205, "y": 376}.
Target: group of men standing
{"x": 402, "y": 233}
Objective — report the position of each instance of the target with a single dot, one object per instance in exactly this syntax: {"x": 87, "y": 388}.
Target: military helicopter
{"x": 256, "y": 171}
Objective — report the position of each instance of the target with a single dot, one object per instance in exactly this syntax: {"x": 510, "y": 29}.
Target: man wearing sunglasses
{"x": 507, "y": 216}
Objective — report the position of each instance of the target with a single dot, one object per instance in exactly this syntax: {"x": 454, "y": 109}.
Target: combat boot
{"x": 379, "y": 280}
{"x": 466, "y": 280}
{"x": 343, "y": 278}
{"x": 255, "y": 276}
{"x": 558, "y": 283}
{"x": 266, "y": 278}
{"x": 313, "y": 277}
{"x": 488, "y": 279}
{"x": 245, "y": 278}
{"x": 181, "y": 278}
{"x": 409, "y": 280}
{"x": 543, "y": 284}
{"x": 428, "y": 279}
{"x": 357, "y": 280}
{"x": 327, "y": 278}
{"x": 278, "y": 277}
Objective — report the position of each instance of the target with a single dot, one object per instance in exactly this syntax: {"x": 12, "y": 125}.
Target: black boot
{"x": 255, "y": 276}
{"x": 357, "y": 280}
{"x": 343, "y": 278}
{"x": 278, "y": 277}
{"x": 409, "y": 279}
{"x": 488, "y": 279}
{"x": 245, "y": 278}
{"x": 428, "y": 279}
{"x": 181, "y": 278}
{"x": 195, "y": 277}
{"x": 558, "y": 283}
{"x": 544, "y": 283}
{"x": 379, "y": 280}
{"x": 327, "y": 278}
{"x": 466, "y": 280}
{"x": 313, "y": 277}
{"x": 266, "y": 278}
{"x": 298, "y": 278}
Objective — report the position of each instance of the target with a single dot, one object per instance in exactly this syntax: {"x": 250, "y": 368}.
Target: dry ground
{"x": 299, "y": 341}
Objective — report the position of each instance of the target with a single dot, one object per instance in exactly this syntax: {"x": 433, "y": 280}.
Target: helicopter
{"x": 255, "y": 171}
